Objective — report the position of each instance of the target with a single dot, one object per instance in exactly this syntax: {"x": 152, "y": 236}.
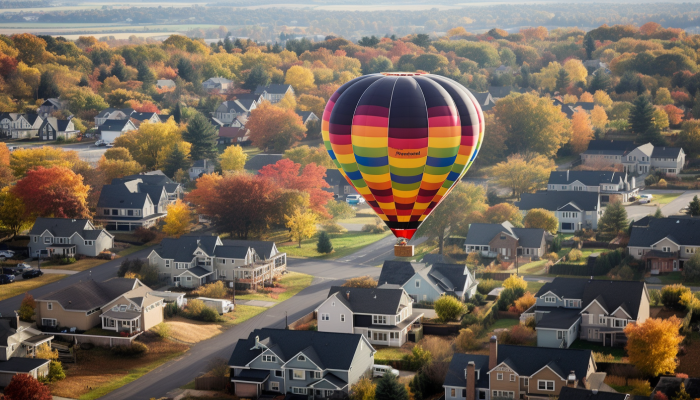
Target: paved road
{"x": 649, "y": 285}
{"x": 637, "y": 212}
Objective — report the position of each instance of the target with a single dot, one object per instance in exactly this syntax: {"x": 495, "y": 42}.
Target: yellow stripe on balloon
{"x": 381, "y": 178}
{"x": 365, "y": 141}
{"x": 429, "y": 178}
{"x": 403, "y": 218}
{"x": 387, "y": 206}
{"x": 407, "y": 162}
{"x": 405, "y": 193}
{"x": 364, "y": 190}
{"x": 383, "y": 217}
{"x": 444, "y": 142}
{"x": 345, "y": 158}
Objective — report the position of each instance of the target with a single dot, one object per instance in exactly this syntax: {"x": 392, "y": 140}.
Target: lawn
{"x": 675, "y": 277}
{"x": 190, "y": 331}
{"x": 291, "y": 283}
{"x": 504, "y": 323}
{"x": 390, "y": 353}
{"x": 242, "y": 313}
{"x": 358, "y": 220}
{"x": 23, "y": 286}
{"x": 664, "y": 198}
{"x": 343, "y": 245}
{"x": 80, "y": 265}
{"x": 131, "y": 250}
{"x": 534, "y": 287}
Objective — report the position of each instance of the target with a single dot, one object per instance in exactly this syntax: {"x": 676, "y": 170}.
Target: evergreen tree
{"x": 630, "y": 82}
{"x": 642, "y": 115}
{"x": 257, "y": 76}
{"x": 653, "y": 136}
{"x": 600, "y": 81}
{"x": 525, "y": 77}
{"x": 228, "y": 44}
{"x": 176, "y": 160}
{"x": 276, "y": 48}
{"x": 324, "y": 244}
{"x": 177, "y": 113}
{"x": 389, "y": 388}
{"x": 47, "y": 87}
{"x": 614, "y": 219}
{"x": 83, "y": 82}
{"x": 589, "y": 44}
{"x": 201, "y": 133}
{"x": 119, "y": 71}
{"x": 694, "y": 207}
{"x": 146, "y": 75}
{"x": 696, "y": 105}
{"x": 658, "y": 213}
{"x": 104, "y": 74}
{"x": 563, "y": 80}
{"x": 186, "y": 71}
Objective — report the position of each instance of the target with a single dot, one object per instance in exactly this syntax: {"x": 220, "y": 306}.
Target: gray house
{"x": 52, "y": 129}
{"x": 575, "y": 210}
{"x": 68, "y": 237}
{"x": 428, "y": 283}
{"x": 52, "y": 105}
{"x": 316, "y": 365}
{"x": 503, "y": 239}
{"x": 200, "y": 167}
{"x": 664, "y": 244}
{"x": 383, "y": 315}
{"x": 607, "y": 184}
{"x": 594, "y": 310}
{"x": 18, "y": 346}
{"x": 217, "y": 83}
{"x": 339, "y": 186}
{"x": 274, "y": 92}
{"x": 639, "y": 159}
{"x": 228, "y": 111}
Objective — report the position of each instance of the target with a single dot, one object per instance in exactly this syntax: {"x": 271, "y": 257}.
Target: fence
{"x": 440, "y": 329}
{"x": 105, "y": 341}
{"x": 210, "y": 383}
{"x": 303, "y": 320}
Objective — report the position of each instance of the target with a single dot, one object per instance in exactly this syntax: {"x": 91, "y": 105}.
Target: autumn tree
{"x": 178, "y": 221}
{"x": 54, "y": 191}
{"x": 26, "y": 387}
{"x": 118, "y": 153}
{"x": 26, "y": 309}
{"x": 652, "y": 346}
{"x": 663, "y": 97}
{"x": 523, "y": 173}
{"x": 117, "y": 168}
{"x": 275, "y": 128}
{"x": 287, "y": 174}
{"x": 288, "y": 102}
{"x": 301, "y": 78}
{"x": 24, "y": 159}
{"x": 178, "y": 159}
{"x": 151, "y": 142}
{"x": 301, "y": 224}
{"x": 13, "y": 216}
{"x": 599, "y": 118}
{"x": 233, "y": 159}
{"x": 675, "y": 114}
{"x": 543, "y": 219}
{"x": 312, "y": 103}
{"x": 304, "y": 155}
{"x": 32, "y": 49}
{"x": 4, "y": 155}
{"x": 602, "y": 99}
{"x": 502, "y": 212}
{"x": 581, "y": 131}
{"x": 689, "y": 137}
{"x": 575, "y": 70}
{"x": 203, "y": 137}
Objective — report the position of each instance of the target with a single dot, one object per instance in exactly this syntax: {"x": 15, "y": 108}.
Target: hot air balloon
{"x": 403, "y": 140}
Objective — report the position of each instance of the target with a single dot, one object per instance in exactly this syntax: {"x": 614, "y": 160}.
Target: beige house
{"x": 18, "y": 346}
{"x": 118, "y": 304}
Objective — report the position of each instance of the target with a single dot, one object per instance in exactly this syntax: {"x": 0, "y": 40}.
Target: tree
{"x": 675, "y": 114}
{"x": 599, "y": 118}
{"x": 575, "y": 70}
{"x": 586, "y": 98}
{"x": 682, "y": 394}
{"x": 663, "y": 97}
{"x": 186, "y": 71}
{"x": 502, "y": 212}
{"x": 691, "y": 268}
{"x": 543, "y": 219}
{"x": 44, "y": 351}
{"x": 312, "y": 103}
{"x": 25, "y": 387}
{"x": 146, "y": 75}
{"x": 118, "y": 153}
{"x": 178, "y": 221}
{"x": 13, "y": 216}
{"x": 389, "y": 388}
{"x": 32, "y": 49}
{"x": 379, "y": 64}
{"x": 364, "y": 389}
{"x": 233, "y": 159}
{"x": 614, "y": 219}
{"x": 324, "y": 245}
{"x": 26, "y": 309}
{"x": 448, "y": 308}
{"x": 55, "y": 191}
{"x": 117, "y": 168}
{"x": 515, "y": 282}
{"x": 287, "y": 174}
{"x": 694, "y": 207}
{"x": 176, "y": 160}
{"x": 151, "y": 143}
{"x": 581, "y": 131}
{"x": 301, "y": 225}
{"x": 641, "y": 117}
{"x": 24, "y": 159}
{"x": 304, "y": 155}
{"x": 563, "y": 80}
{"x": 47, "y": 86}
{"x": 120, "y": 98}
{"x": 602, "y": 99}
{"x": 301, "y": 79}
{"x": 589, "y": 45}
{"x": 118, "y": 70}
{"x": 361, "y": 282}
{"x": 275, "y": 128}
{"x": 4, "y": 155}
{"x": 257, "y": 76}
{"x": 601, "y": 81}
{"x": 288, "y": 102}
{"x": 523, "y": 173}
{"x": 652, "y": 346}
{"x": 203, "y": 137}
{"x": 689, "y": 137}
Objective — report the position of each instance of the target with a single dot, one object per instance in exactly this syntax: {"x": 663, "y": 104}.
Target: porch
{"x": 32, "y": 343}
{"x": 658, "y": 262}
{"x": 66, "y": 250}
{"x": 192, "y": 278}
{"x": 121, "y": 321}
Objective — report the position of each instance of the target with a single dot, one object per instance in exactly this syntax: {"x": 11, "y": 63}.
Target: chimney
{"x": 567, "y": 175}
{"x": 347, "y": 294}
{"x": 471, "y": 381}
{"x": 257, "y": 342}
{"x": 571, "y": 380}
{"x": 493, "y": 352}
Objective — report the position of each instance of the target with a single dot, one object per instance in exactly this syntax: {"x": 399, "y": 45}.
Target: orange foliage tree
{"x": 652, "y": 345}
{"x": 675, "y": 114}
{"x": 503, "y": 212}
{"x": 55, "y": 191}
{"x": 582, "y": 132}
{"x": 274, "y": 128}
{"x": 286, "y": 174}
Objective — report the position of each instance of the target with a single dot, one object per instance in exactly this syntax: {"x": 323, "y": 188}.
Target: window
{"x": 453, "y": 392}
{"x": 620, "y": 323}
{"x": 279, "y": 374}
{"x": 189, "y": 278}
{"x": 690, "y": 250}
{"x": 499, "y": 376}
{"x": 639, "y": 252}
{"x": 275, "y": 385}
{"x": 393, "y": 335}
{"x": 379, "y": 319}
{"x": 47, "y": 239}
{"x": 89, "y": 243}
{"x": 222, "y": 260}
{"x": 601, "y": 319}
{"x": 550, "y": 299}
{"x": 122, "y": 308}
{"x": 299, "y": 390}
{"x": 545, "y": 385}
{"x": 298, "y": 374}
{"x": 222, "y": 273}
{"x": 666, "y": 249}
{"x": 316, "y": 374}
{"x": 35, "y": 239}
{"x": 115, "y": 212}
{"x": 301, "y": 358}
{"x": 268, "y": 358}
{"x": 525, "y": 381}
{"x": 417, "y": 282}
{"x": 503, "y": 393}
{"x": 482, "y": 395}
{"x": 167, "y": 263}
{"x": 512, "y": 377}
{"x": 380, "y": 336}
{"x": 49, "y": 306}
{"x": 561, "y": 334}
{"x": 105, "y": 211}
{"x": 342, "y": 317}
{"x": 48, "y": 321}
{"x": 130, "y": 212}
{"x": 325, "y": 317}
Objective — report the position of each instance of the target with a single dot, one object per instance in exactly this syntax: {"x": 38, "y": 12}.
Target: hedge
{"x": 603, "y": 264}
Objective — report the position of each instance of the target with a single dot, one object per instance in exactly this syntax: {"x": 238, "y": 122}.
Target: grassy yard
{"x": 343, "y": 245}
{"x": 664, "y": 198}
{"x": 132, "y": 249}
{"x": 80, "y": 265}
{"x": 22, "y": 286}
{"x": 675, "y": 277}
{"x": 617, "y": 352}
{"x": 292, "y": 283}
{"x": 242, "y": 313}
{"x": 504, "y": 323}
{"x": 534, "y": 287}
{"x": 390, "y": 353}
{"x": 190, "y": 331}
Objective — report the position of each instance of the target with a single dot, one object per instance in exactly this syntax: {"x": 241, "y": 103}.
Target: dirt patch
{"x": 689, "y": 362}
{"x": 189, "y": 331}
{"x": 665, "y": 313}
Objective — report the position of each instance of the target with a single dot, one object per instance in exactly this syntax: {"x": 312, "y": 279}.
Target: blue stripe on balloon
{"x": 332, "y": 154}
{"x": 372, "y": 161}
{"x": 440, "y": 162}
{"x": 354, "y": 175}
{"x": 452, "y": 176}
{"x": 406, "y": 179}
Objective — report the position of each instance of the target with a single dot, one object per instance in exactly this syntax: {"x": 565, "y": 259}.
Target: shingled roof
{"x": 682, "y": 231}
{"x": 65, "y": 227}
{"x": 88, "y": 295}
{"x": 555, "y": 201}
{"x": 398, "y": 272}
{"x": 588, "y": 178}
{"x": 369, "y": 300}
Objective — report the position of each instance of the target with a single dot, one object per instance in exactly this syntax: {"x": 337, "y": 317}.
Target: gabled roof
{"x": 456, "y": 374}
{"x": 398, "y": 272}
{"x": 558, "y": 318}
{"x": 588, "y": 178}
{"x": 684, "y": 231}
{"x": 116, "y": 125}
{"x": 165, "y": 83}
{"x": 564, "y": 288}
{"x": 499, "y": 92}
{"x": 481, "y": 234}
{"x": 142, "y": 116}
{"x": 275, "y": 88}
{"x": 237, "y": 252}
{"x": 554, "y": 200}
{"x": 265, "y": 249}
{"x": 584, "y": 105}
{"x": 31, "y": 118}
{"x": 65, "y": 227}
{"x": 119, "y": 196}
{"x": 88, "y": 295}
{"x": 618, "y": 147}
{"x": 666, "y": 152}
{"x": 449, "y": 277}
{"x": 306, "y": 115}
{"x": 369, "y": 300}
{"x": 258, "y": 161}
{"x": 531, "y": 359}
{"x": 22, "y": 364}
{"x": 182, "y": 249}
{"x": 333, "y": 350}
{"x": 234, "y": 105}
{"x": 218, "y": 80}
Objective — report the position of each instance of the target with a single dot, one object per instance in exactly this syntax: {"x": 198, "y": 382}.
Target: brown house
{"x": 517, "y": 372}
{"x": 491, "y": 240}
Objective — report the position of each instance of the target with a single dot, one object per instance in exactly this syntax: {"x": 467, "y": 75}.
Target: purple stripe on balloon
{"x": 396, "y": 143}
{"x": 441, "y": 111}
{"x": 377, "y": 111}
{"x": 408, "y": 133}
{"x": 339, "y": 129}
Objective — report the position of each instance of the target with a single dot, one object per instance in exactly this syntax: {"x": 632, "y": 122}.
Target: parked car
{"x": 7, "y": 253}
{"x": 354, "y": 199}
{"x": 10, "y": 271}
{"x": 379, "y": 370}
{"x": 23, "y": 267}
{"x": 100, "y": 143}
{"x": 32, "y": 273}
{"x": 4, "y": 278}
{"x": 110, "y": 145}
{"x": 644, "y": 200}
{"x": 646, "y": 196}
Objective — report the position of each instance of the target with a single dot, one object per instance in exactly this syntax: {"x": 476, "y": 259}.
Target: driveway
{"x": 639, "y": 211}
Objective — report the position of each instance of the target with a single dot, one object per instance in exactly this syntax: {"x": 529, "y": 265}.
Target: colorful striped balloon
{"x": 403, "y": 140}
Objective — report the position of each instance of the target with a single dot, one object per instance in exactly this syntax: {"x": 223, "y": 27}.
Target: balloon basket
{"x": 403, "y": 250}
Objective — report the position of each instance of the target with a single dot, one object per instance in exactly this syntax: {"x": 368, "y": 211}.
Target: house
{"x": 635, "y": 159}
{"x": 670, "y": 385}
{"x": 485, "y": 100}
{"x": 68, "y": 237}
{"x": 517, "y": 372}
{"x": 607, "y": 152}
{"x": 575, "y": 210}
{"x": 111, "y": 129}
{"x": 250, "y": 101}
{"x": 117, "y": 304}
{"x": 339, "y": 186}
{"x": 274, "y": 92}
{"x": 503, "y": 69}
{"x": 608, "y": 184}
{"x": 190, "y": 261}
{"x": 593, "y": 65}
{"x": 307, "y": 116}
{"x": 18, "y": 346}
{"x": 567, "y": 309}
{"x": 30, "y": 129}
{"x": 201, "y": 167}
{"x": 177, "y": 298}
{"x": 507, "y": 241}
{"x": 50, "y": 106}
{"x": 230, "y": 135}
{"x": 258, "y": 161}
{"x": 384, "y": 316}
{"x": 669, "y": 160}
{"x": 312, "y": 364}
{"x": 499, "y": 92}
{"x": 219, "y": 84}
{"x": 664, "y": 244}
{"x": 136, "y": 201}
{"x": 165, "y": 84}
{"x": 112, "y": 113}
{"x": 16, "y": 126}
{"x": 239, "y": 122}
{"x": 428, "y": 283}
{"x": 229, "y": 110}
{"x": 52, "y": 129}
{"x": 585, "y": 394}
{"x": 140, "y": 117}
{"x": 217, "y": 124}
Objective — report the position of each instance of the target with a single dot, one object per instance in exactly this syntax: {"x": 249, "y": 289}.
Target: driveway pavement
{"x": 639, "y": 211}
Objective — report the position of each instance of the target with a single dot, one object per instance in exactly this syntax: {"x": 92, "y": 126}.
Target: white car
{"x": 7, "y": 253}
{"x": 354, "y": 199}
{"x": 379, "y": 370}
{"x": 23, "y": 267}
{"x": 646, "y": 196}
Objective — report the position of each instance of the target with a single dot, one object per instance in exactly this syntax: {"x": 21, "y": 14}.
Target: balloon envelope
{"x": 403, "y": 140}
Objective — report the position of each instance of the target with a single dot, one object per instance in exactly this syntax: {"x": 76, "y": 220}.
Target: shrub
{"x": 466, "y": 340}
{"x": 531, "y": 322}
{"x": 361, "y": 282}
{"x": 487, "y": 285}
{"x": 145, "y": 235}
{"x": 448, "y": 308}
{"x": 671, "y": 295}
{"x": 26, "y": 310}
{"x": 363, "y": 390}
{"x": 654, "y": 297}
{"x": 162, "y": 330}
{"x": 691, "y": 268}
{"x": 522, "y": 304}
{"x": 208, "y": 314}
{"x": 440, "y": 349}
{"x": 556, "y": 244}
{"x": 469, "y": 319}
{"x": 650, "y": 180}
{"x": 136, "y": 349}
{"x": 331, "y": 226}
{"x": 171, "y": 310}
{"x": 623, "y": 272}
{"x": 324, "y": 244}
{"x": 601, "y": 357}
{"x": 377, "y": 227}
{"x": 215, "y": 290}
{"x": 517, "y": 335}
{"x": 474, "y": 258}
{"x": 551, "y": 256}
{"x": 56, "y": 372}
{"x": 340, "y": 209}
{"x": 639, "y": 387}
{"x": 662, "y": 183}
{"x": 477, "y": 299}
{"x": 508, "y": 297}
{"x": 574, "y": 255}
{"x": 470, "y": 307}
{"x": 24, "y": 386}
{"x": 515, "y": 282}
{"x": 418, "y": 358}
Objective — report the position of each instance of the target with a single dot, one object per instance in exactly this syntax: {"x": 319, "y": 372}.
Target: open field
{"x": 291, "y": 284}
{"x": 93, "y": 6}
{"x": 343, "y": 244}
{"x": 242, "y": 313}
{"x": 22, "y": 286}
{"x": 190, "y": 331}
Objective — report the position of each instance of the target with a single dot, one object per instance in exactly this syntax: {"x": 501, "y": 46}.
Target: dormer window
{"x": 550, "y": 299}
{"x": 301, "y": 358}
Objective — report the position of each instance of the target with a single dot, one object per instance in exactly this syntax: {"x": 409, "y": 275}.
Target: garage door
{"x": 249, "y": 390}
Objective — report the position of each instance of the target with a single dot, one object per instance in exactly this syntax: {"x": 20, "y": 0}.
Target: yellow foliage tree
{"x": 652, "y": 345}
{"x": 458, "y": 31}
{"x": 288, "y": 102}
{"x": 24, "y": 159}
{"x": 148, "y": 142}
{"x": 312, "y": 103}
{"x": 117, "y": 168}
{"x": 599, "y": 118}
{"x": 305, "y": 155}
{"x": 301, "y": 79}
{"x": 543, "y": 219}
{"x": 577, "y": 71}
{"x": 660, "y": 118}
{"x": 301, "y": 224}
{"x": 515, "y": 282}
{"x": 44, "y": 351}
{"x": 569, "y": 99}
{"x": 586, "y": 98}
{"x": 523, "y": 173}
{"x": 547, "y": 77}
{"x": 581, "y": 131}
{"x": 233, "y": 158}
{"x": 663, "y": 97}
{"x": 602, "y": 99}
{"x": 179, "y": 219}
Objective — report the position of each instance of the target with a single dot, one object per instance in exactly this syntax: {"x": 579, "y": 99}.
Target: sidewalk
{"x": 58, "y": 271}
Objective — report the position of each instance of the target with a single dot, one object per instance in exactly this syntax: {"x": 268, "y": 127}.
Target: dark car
{"x": 10, "y": 271}
{"x": 6, "y": 279}
{"x": 32, "y": 274}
